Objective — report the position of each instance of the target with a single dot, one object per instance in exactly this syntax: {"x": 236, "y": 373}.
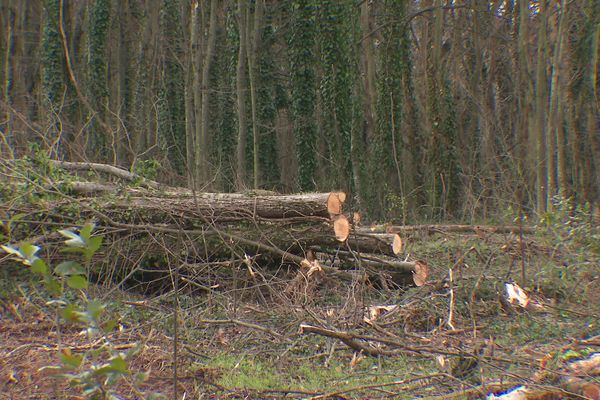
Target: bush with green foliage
{"x": 98, "y": 371}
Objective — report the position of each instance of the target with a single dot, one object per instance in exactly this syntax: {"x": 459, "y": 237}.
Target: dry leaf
{"x": 376, "y": 311}
{"x": 356, "y": 359}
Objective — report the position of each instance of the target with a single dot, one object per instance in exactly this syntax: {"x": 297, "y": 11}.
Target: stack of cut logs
{"x": 309, "y": 230}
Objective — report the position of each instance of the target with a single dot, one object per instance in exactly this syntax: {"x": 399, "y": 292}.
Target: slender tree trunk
{"x": 241, "y": 98}
{"x": 189, "y": 93}
{"x": 563, "y": 188}
{"x": 197, "y": 43}
{"x": 252, "y": 69}
{"x": 6, "y": 145}
{"x": 555, "y": 144}
{"x": 541, "y": 107}
{"x": 368, "y": 66}
{"x": 525, "y": 100}
{"x": 204, "y": 154}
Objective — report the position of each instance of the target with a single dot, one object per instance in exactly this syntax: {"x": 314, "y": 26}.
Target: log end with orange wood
{"x": 335, "y": 202}
{"x": 341, "y": 228}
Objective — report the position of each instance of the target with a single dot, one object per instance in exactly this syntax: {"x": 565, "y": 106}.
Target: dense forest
{"x": 432, "y": 109}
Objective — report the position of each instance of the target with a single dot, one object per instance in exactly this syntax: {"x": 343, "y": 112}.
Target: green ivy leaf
{"x": 68, "y": 268}
{"x": 77, "y": 282}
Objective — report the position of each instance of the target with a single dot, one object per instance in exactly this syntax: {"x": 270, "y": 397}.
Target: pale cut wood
{"x": 335, "y": 202}
{"x": 397, "y": 244}
{"x": 341, "y": 228}
{"x": 421, "y": 273}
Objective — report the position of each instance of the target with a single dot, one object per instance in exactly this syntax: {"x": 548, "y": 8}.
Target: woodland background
{"x": 423, "y": 109}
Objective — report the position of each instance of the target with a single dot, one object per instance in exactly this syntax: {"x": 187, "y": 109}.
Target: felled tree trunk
{"x": 179, "y": 204}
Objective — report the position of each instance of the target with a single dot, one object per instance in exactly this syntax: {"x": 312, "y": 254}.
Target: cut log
{"x": 341, "y": 228}
{"x": 224, "y": 207}
{"x": 335, "y": 202}
{"x": 400, "y": 272}
{"x": 379, "y": 243}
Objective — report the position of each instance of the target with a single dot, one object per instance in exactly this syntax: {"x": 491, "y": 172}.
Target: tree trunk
{"x": 555, "y": 144}
{"x": 204, "y": 150}
{"x": 252, "y": 69}
{"x": 241, "y": 95}
{"x": 540, "y": 118}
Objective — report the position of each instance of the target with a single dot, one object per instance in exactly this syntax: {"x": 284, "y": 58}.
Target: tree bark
{"x": 252, "y": 69}
{"x": 241, "y": 96}
{"x": 540, "y": 117}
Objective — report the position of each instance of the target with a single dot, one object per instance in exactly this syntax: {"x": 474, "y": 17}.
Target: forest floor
{"x": 244, "y": 341}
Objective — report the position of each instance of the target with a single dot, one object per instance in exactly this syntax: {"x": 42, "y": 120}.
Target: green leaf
{"x": 77, "y": 282}
{"x": 110, "y": 325}
{"x": 71, "y": 360}
{"x": 72, "y": 314}
{"x": 73, "y": 239}
{"x": 80, "y": 250}
{"x": 52, "y": 285}
{"x": 39, "y": 266}
{"x": 67, "y": 268}
{"x": 94, "y": 244}
{"x": 86, "y": 231}
{"x": 141, "y": 377}
{"x": 28, "y": 250}
{"x": 116, "y": 365}
{"x": 95, "y": 309}
{"x": 119, "y": 364}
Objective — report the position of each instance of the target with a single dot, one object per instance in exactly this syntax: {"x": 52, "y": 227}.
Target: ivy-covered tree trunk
{"x": 336, "y": 89}
{"x": 392, "y": 161}
{"x": 226, "y": 116}
{"x": 442, "y": 177}
{"x": 171, "y": 128}
{"x": 255, "y": 38}
{"x": 301, "y": 47}
{"x": 7, "y": 20}
{"x": 99, "y": 16}
{"x": 52, "y": 67}
{"x": 268, "y": 102}
{"x": 241, "y": 84}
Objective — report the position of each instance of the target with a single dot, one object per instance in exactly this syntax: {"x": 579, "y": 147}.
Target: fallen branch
{"x": 107, "y": 169}
{"x": 360, "y": 342}
{"x": 429, "y": 229}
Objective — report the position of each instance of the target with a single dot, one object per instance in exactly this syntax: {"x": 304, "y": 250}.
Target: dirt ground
{"x": 242, "y": 344}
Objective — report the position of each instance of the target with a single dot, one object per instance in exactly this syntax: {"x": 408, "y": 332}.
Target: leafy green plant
{"x": 147, "y": 168}
{"x": 97, "y": 371}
